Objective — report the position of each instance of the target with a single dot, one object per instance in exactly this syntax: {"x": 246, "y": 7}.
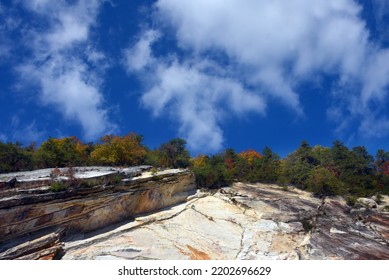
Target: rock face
{"x": 113, "y": 213}
{"x": 33, "y": 212}
{"x": 243, "y": 222}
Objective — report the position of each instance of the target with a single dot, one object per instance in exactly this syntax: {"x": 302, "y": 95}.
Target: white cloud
{"x": 196, "y": 94}
{"x": 271, "y": 48}
{"x": 140, "y": 55}
{"x": 64, "y": 63}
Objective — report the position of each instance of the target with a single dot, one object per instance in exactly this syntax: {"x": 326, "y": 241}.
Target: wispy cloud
{"x": 197, "y": 93}
{"x": 270, "y": 48}
{"x": 381, "y": 13}
{"x": 3, "y": 137}
{"x": 25, "y": 132}
{"x": 7, "y": 24}
{"x": 64, "y": 62}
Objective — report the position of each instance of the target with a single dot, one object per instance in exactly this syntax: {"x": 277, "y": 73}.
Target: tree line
{"x": 327, "y": 171}
{"x": 111, "y": 150}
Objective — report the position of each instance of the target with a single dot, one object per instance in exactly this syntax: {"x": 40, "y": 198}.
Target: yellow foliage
{"x": 120, "y": 150}
{"x": 199, "y": 161}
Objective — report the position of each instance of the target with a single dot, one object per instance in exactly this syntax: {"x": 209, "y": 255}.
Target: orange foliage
{"x": 250, "y": 155}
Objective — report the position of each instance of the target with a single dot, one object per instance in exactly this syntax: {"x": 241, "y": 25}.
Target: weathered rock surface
{"x": 114, "y": 213}
{"x": 243, "y": 222}
{"x": 31, "y": 211}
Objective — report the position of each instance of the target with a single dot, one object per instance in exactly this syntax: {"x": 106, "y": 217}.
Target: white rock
{"x": 336, "y": 231}
{"x": 367, "y": 202}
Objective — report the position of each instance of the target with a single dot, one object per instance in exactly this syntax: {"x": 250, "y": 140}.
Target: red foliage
{"x": 385, "y": 168}
{"x": 229, "y": 163}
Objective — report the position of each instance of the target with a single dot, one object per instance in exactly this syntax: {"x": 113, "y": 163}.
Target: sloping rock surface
{"x": 243, "y": 222}
{"x": 31, "y": 215}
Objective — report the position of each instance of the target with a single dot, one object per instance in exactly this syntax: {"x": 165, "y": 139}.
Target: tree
{"x": 323, "y": 156}
{"x": 354, "y": 168}
{"x": 270, "y": 167}
{"x": 298, "y": 165}
{"x": 323, "y": 182}
{"x": 174, "y": 154}
{"x": 153, "y": 158}
{"x": 250, "y": 155}
{"x": 212, "y": 172}
{"x": 381, "y": 166}
{"x": 125, "y": 150}
{"x": 382, "y": 160}
{"x": 61, "y": 152}
{"x": 13, "y": 157}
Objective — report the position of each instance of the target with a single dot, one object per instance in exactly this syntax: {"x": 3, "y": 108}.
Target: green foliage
{"x": 285, "y": 188}
{"x": 211, "y": 172}
{"x": 378, "y": 198}
{"x": 221, "y": 169}
{"x": 332, "y": 171}
{"x": 384, "y": 184}
{"x": 174, "y": 154}
{"x": 307, "y": 225}
{"x": 154, "y": 171}
{"x": 58, "y": 186}
{"x": 325, "y": 171}
{"x": 153, "y": 158}
{"x": 61, "y": 152}
{"x": 323, "y": 182}
{"x": 351, "y": 200}
{"x": 13, "y": 157}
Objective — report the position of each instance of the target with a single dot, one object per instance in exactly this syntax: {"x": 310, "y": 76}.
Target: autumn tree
{"x": 382, "y": 162}
{"x": 125, "y": 150}
{"x": 212, "y": 171}
{"x": 381, "y": 166}
{"x": 250, "y": 155}
{"x": 61, "y": 152}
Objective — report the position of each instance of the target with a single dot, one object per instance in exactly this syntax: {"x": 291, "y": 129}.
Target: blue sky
{"x": 241, "y": 74}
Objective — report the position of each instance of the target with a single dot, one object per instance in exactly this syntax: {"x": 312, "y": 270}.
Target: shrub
{"x": 378, "y": 198}
{"x": 57, "y": 186}
{"x": 154, "y": 171}
{"x": 285, "y": 188}
{"x": 351, "y": 200}
{"x": 323, "y": 183}
{"x": 307, "y": 225}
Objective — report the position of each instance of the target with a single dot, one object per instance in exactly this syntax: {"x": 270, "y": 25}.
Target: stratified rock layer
{"x": 31, "y": 213}
{"x": 243, "y": 222}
